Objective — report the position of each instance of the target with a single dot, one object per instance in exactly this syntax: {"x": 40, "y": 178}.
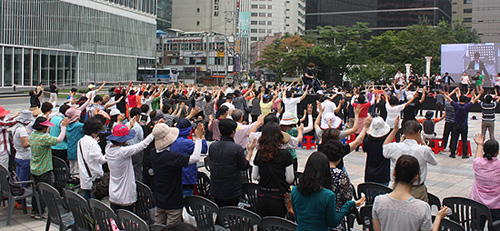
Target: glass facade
{"x": 56, "y": 40}
{"x": 380, "y": 15}
{"x": 164, "y": 14}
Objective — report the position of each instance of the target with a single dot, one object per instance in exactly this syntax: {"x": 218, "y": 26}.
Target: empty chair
{"x": 250, "y": 194}
{"x": 238, "y": 219}
{"x": 365, "y": 217}
{"x": 203, "y": 185}
{"x": 130, "y": 221}
{"x": 434, "y": 200}
{"x": 61, "y": 174}
{"x": 371, "y": 190}
{"x": 449, "y": 225}
{"x": 203, "y": 210}
{"x": 6, "y": 191}
{"x": 54, "y": 202}
{"x": 103, "y": 215}
{"x": 277, "y": 224}
{"x": 145, "y": 203}
{"x": 470, "y": 214}
{"x": 80, "y": 209}
{"x": 157, "y": 227}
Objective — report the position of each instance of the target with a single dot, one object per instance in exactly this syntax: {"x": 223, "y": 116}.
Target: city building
{"x": 213, "y": 16}
{"x": 380, "y": 15}
{"x": 257, "y": 47}
{"x": 485, "y": 20}
{"x": 197, "y": 57}
{"x": 462, "y": 11}
{"x": 74, "y": 42}
{"x": 164, "y": 14}
{"x": 278, "y": 16}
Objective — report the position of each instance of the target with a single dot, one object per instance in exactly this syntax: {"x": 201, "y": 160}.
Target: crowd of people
{"x": 156, "y": 133}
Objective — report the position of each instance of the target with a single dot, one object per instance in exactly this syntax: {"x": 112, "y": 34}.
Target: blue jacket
{"x": 185, "y": 146}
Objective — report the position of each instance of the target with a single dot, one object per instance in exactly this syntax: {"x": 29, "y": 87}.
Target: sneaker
{"x": 33, "y": 214}
{"x": 465, "y": 156}
{"x": 452, "y": 156}
{"x": 45, "y": 215}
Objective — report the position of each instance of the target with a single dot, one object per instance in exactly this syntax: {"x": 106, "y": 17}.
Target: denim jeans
{"x": 23, "y": 170}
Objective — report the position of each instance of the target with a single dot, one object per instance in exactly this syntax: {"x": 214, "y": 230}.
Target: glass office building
{"x": 380, "y": 15}
{"x": 57, "y": 40}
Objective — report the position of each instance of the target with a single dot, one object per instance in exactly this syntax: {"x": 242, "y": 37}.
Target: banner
{"x": 244, "y": 24}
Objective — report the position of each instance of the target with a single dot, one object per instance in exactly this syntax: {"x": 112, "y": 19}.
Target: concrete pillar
{"x": 408, "y": 71}
{"x": 428, "y": 66}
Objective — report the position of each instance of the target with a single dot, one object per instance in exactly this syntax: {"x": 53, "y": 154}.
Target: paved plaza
{"x": 451, "y": 177}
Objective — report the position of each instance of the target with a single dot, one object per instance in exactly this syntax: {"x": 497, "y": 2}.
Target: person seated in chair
{"x": 429, "y": 125}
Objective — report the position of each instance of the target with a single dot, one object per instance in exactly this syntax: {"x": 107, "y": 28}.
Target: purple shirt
{"x": 461, "y": 112}
{"x": 486, "y": 182}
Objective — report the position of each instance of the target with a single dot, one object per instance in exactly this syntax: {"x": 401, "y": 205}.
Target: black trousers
{"x": 448, "y": 128}
{"x": 230, "y": 202}
{"x": 115, "y": 207}
{"x": 48, "y": 178}
{"x": 271, "y": 204}
{"x": 439, "y": 108}
{"x": 459, "y": 130}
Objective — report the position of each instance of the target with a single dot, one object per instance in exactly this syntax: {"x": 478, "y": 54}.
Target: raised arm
{"x": 478, "y": 96}
{"x": 392, "y": 135}
{"x": 479, "y": 139}
{"x": 320, "y": 113}
{"x": 305, "y": 93}
{"x": 353, "y": 145}
{"x": 100, "y": 88}
{"x": 354, "y": 128}
{"x": 423, "y": 95}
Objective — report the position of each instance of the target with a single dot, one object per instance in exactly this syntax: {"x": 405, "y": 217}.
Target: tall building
{"x": 462, "y": 11}
{"x": 164, "y": 14}
{"x": 71, "y": 42}
{"x": 380, "y": 15}
{"x": 277, "y": 16}
{"x": 485, "y": 19}
{"x": 214, "y": 16}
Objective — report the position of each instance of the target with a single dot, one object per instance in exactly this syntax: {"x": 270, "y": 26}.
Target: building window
{"x": 262, "y": 6}
{"x": 253, "y": 39}
{"x": 262, "y": 14}
{"x": 269, "y": 15}
{"x": 467, "y": 11}
{"x": 269, "y": 31}
{"x": 197, "y": 23}
{"x": 269, "y": 6}
{"x": 254, "y": 14}
{"x": 269, "y": 22}
{"x": 467, "y": 19}
{"x": 198, "y": 10}
{"x": 216, "y": 13}
{"x": 467, "y": 1}
{"x": 255, "y": 6}
{"x": 262, "y": 22}
{"x": 253, "y": 22}
{"x": 262, "y": 30}
{"x": 253, "y": 30}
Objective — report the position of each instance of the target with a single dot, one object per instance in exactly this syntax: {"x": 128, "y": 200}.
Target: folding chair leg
{"x": 37, "y": 196}
{"x": 11, "y": 209}
{"x": 47, "y": 227}
{"x": 25, "y": 210}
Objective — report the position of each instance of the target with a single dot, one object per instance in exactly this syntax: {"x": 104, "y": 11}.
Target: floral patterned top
{"x": 341, "y": 186}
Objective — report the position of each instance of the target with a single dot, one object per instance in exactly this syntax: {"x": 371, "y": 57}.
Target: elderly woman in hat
{"x": 20, "y": 136}
{"x": 122, "y": 187}
{"x": 167, "y": 168}
{"x": 40, "y": 142}
{"x": 377, "y": 167}
{"x": 4, "y": 138}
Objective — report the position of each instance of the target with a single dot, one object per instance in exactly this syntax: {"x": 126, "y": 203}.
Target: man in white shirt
{"x": 92, "y": 91}
{"x": 399, "y": 78}
{"x": 137, "y": 159}
{"x": 414, "y": 146}
{"x": 328, "y": 105}
{"x": 291, "y": 102}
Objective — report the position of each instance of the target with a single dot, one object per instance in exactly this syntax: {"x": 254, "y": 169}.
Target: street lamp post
{"x": 95, "y": 59}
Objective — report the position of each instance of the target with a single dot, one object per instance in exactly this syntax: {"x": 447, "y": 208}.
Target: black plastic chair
{"x": 6, "y": 191}
{"x": 130, "y": 221}
{"x": 203, "y": 210}
{"x": 246, "y": 175}
{"x": 468, "y": 213}
{"x": 145, "y": 204}
{"x": 62, "y": 175}
{"x": 203, "y": 185}
{"x": 103, "y": 215}
{"x": 207, "y": 162}
{"x": 434, "y": 200}
{"x": 449, "y": 225}
{"x": 277, "y": 224}
{"x": 250, "y": 194}
{"x": 365, "y": 217}
{"x": 80, "y": 209}
{"x": 238, "y": 219}
{"x": 298, "y": 175}
{"x": 157, "y": 228}
{"x": 371, "y": 190}
{"x": 54, "y": 201}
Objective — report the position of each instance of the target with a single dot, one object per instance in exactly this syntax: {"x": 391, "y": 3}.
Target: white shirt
{"x": 21, "y": 152}
{"x": 464, "y": 79}
{"x": 122, "y": 187}
{"x": 93, "y": 95}
{"x": 328, "y": 106}
{"x": 422, "y": 153}
{"x": 93, "y": 157}
{"x": 291, "y": 105}
{"x": 147, "y": 101}
{"x": 139, "y": 134}
{"x": 393, "y": 113}
{"x": 228, "y": 105}
{"x": 228, "y": 91}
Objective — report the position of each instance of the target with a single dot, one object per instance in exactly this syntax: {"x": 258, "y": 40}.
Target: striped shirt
{"x": 41, "y": 152}
{"x": 489, "y": 111}
{"x": 450, "y": 113}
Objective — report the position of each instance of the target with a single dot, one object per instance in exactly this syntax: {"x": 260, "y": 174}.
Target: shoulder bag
{"x": 100, "y": 186}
